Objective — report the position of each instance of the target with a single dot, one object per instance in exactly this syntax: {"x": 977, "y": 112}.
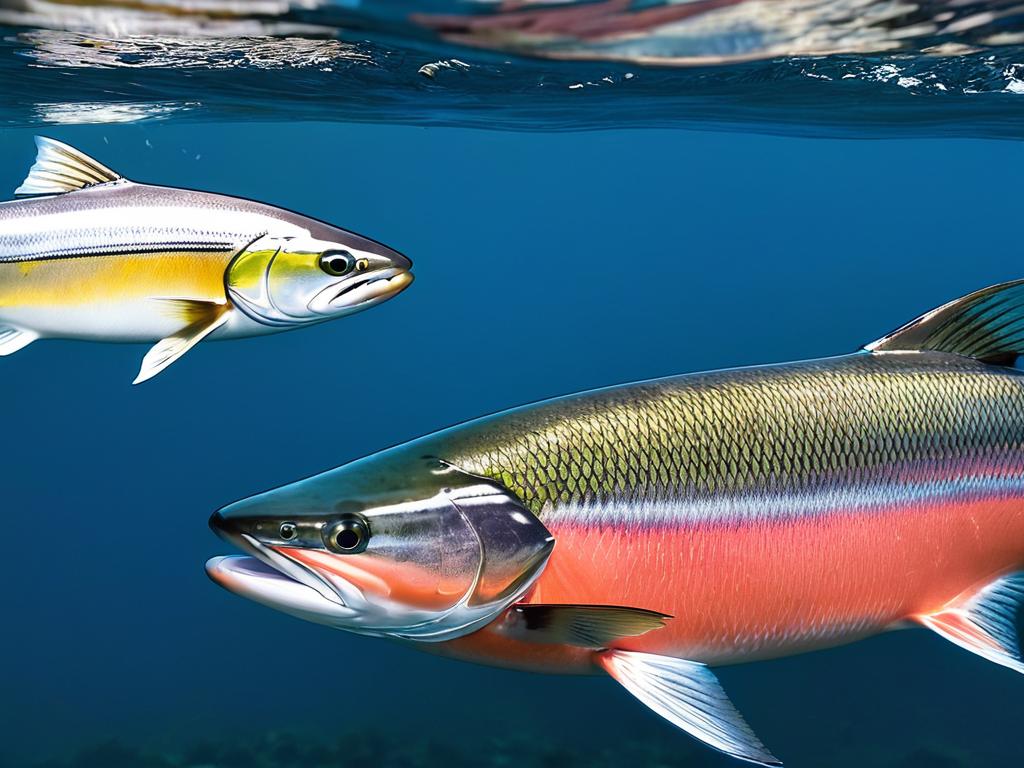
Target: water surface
{"x": 546, "y": 263}
{"x": 858, "y": 68}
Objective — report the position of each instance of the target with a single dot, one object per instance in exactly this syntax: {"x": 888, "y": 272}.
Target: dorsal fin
{"x": 59, "y": 168}
{"x": 987, "y": 325}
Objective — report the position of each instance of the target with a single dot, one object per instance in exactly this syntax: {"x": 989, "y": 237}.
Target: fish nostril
{"x": 219, "y": 523}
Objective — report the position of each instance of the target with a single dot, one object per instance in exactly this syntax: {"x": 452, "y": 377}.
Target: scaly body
{"x": 839, "y": 497}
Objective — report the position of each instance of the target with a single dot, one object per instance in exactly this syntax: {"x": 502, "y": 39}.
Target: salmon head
{"x": 398, "y": 544}
{"x": 301, "y": 279}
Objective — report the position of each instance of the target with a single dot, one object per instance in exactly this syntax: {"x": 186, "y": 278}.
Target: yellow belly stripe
{"x": 105, "y": 280}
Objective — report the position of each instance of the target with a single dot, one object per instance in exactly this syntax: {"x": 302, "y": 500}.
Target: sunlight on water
{"x": 74, "y": 113}
{"x": 49, "y": 48}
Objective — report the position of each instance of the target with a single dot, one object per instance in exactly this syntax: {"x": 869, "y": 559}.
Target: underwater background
{"x": 547, "y": 261}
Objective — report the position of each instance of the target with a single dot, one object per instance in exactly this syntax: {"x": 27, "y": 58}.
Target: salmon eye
{"x": 347, "y": 536}
{"x": 337, "y": 263}
{"x": 288, "y": 531}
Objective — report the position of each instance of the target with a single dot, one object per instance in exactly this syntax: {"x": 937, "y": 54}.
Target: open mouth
{"x": 273, "y": 579}
{"x": 252, "y": 578}
{"x": 374, "y": 288}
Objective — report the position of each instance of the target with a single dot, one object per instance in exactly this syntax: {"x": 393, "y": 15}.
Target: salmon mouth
{"x": 253, "y": 578}
{"x": 373, "y": 289}
{"x": 277, "y": 581}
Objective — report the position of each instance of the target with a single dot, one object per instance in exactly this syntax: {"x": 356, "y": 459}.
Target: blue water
{"x": 547, "y": 261}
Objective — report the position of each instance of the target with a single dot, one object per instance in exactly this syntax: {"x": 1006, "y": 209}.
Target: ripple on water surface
{"x": 868, "y": 68}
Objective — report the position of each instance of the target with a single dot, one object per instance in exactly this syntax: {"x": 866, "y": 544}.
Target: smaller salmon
{"x": 94, "y": 256}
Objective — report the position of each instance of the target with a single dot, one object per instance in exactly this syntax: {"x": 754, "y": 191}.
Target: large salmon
{"x": 653, "y": 529}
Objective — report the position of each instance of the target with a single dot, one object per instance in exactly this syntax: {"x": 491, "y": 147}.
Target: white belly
{"x": 138, "y": 321}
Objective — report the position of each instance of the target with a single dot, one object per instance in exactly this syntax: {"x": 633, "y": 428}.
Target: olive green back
{"x": 868, "y": 418}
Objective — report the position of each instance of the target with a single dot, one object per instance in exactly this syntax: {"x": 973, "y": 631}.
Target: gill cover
{"x": 514, "y": 544}
{"x": 494, "y": 541}
{"x": 445, "y": 552}
{"x": 249, "y": 278}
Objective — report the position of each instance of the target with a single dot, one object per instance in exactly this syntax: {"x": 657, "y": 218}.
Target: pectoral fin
{"x": 984, "y": 621}
{"x": 689, "y": 696}
{"x": 205, "y": 317}
{"x": 586, "y": 626}
{"x": 12, "y": 339}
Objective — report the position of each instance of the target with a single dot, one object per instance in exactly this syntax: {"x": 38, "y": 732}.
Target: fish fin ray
{"x": 688, "y": 695}
{"x": 61, "y": 168}
{"x": 12, "y": 339}
{"x": 585, "y": 626}
{"x": 987, "y": 325}
{"x": 984, "y": 622}
{"x": 188, "y": 310}
{"x": 166, "y": 351}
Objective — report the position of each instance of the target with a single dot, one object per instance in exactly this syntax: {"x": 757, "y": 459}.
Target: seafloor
{"x": 359, "y": 749}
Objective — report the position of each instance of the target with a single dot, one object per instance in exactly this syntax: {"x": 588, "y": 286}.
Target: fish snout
{"x": 239, "y": 519}
{"x": 222, "y": 524}
{"x": 399, "y": 260}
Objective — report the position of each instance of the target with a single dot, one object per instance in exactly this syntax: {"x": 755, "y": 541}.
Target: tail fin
{"x": 987, "y": 325}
